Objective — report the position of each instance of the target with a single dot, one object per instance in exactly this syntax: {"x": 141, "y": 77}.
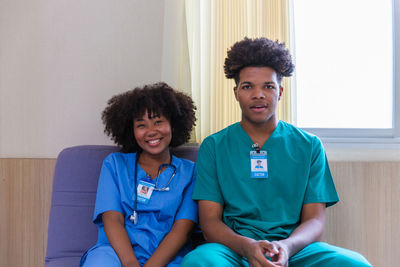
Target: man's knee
{"x": 201, "y": 256}
{"x": 348, "y": 258}
{"x": 211, "y": 254}
{"x": 323, "y": 254}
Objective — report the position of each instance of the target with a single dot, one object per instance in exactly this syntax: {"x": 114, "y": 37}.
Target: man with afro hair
{"x": 273, "y": 216}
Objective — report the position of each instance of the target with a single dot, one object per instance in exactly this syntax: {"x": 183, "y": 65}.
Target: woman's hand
{"x": 114, "y": 227}
{"x": 171, "y": 244}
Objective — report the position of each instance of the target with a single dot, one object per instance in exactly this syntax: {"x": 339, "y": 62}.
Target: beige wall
{"x": 60, "y": 61}
{"x": 367, "y": 217}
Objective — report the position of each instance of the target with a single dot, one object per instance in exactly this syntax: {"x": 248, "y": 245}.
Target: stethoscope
{"x": 134, "y": 217}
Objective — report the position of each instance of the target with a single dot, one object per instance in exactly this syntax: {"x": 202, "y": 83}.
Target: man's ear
{"x": 235, "y": 91}
{"x": 280, "y": 92}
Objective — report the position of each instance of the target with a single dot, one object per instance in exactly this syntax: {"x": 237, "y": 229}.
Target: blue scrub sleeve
{"x": 108, "y": 194}
{"x": 188, "y": 207}
{"x": 207, "y": 186}
{"x": 320, "y": 187}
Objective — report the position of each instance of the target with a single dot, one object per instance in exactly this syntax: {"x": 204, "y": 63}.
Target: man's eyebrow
{"x": 246, "y": 82}
{"x": 139, "y": 119}
{"x": 269, "y": 83}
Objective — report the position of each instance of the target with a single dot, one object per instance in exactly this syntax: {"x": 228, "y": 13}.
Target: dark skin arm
{"x": 114, "y": 226}
{"x": 172, "y": 243}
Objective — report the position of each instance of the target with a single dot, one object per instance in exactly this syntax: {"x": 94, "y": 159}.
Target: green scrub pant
{"x": 317, "y": 254}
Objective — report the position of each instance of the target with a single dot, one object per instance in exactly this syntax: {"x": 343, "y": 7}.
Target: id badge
{"x": 259, "y": 165}
{"x": 144, "y": 191}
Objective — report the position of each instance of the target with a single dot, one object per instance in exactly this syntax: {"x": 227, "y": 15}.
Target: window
{"x": 345, "y": 55}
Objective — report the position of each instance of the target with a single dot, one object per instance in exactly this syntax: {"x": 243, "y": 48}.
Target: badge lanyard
{"x": 145, "y": 188}
{"x": 258, "y": 163}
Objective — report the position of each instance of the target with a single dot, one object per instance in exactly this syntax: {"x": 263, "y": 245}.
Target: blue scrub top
{"x": 155, "y": 219}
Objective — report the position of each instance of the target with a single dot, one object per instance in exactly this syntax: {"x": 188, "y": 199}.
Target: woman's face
{"x": 153, "y": 134}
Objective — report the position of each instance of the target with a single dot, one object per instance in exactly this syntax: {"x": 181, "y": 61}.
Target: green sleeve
{"x": 207, "y": 185}
{"x": 320, "y": 187}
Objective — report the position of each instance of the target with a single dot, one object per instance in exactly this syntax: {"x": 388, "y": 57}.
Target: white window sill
{"x": 362, "y": 149}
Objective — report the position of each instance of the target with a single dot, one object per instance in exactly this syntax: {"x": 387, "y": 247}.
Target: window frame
{"x": 365, "y": 138}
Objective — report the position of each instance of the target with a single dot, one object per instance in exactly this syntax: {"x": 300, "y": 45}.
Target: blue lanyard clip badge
{"x": 258, "y": 163}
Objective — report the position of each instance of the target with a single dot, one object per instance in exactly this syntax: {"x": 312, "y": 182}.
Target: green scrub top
{"x": 268, "y": 208}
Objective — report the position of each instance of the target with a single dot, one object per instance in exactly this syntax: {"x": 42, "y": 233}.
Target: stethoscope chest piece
{"x": 134, "y": 218}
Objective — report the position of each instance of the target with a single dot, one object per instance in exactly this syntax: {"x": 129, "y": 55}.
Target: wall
{"x": 25, "y": 198}
{"x": 60, "y": 61}
{"x": 368, "y": 215}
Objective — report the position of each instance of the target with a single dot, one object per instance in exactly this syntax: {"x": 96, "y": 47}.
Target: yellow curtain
{"x": 209, "y": 29}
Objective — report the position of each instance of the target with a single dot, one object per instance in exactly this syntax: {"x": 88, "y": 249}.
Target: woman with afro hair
{"x": 144, "y": 210}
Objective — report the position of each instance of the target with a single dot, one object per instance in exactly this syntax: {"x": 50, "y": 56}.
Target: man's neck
{"x": 259, "y": 133}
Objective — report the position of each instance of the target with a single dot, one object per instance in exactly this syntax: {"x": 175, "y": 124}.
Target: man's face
{"x": 258, "y": 93}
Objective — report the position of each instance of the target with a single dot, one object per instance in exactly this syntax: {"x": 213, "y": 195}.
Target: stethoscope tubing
{"x": 134, "y": 216}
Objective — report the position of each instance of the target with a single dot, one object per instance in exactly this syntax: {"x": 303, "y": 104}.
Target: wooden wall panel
{"x": 367, "y": 219}
{"x": 25, "y": 195}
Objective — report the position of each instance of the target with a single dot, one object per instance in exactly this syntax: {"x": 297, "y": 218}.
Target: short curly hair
{"x": 259, "y": 52}
{"x": 157, "y": 99}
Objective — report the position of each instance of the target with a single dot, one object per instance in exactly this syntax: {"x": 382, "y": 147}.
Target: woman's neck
{"x": 150, "y": 163}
